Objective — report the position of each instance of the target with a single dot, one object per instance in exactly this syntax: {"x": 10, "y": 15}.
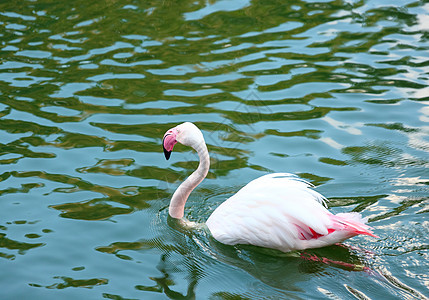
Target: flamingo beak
{"x": 168, "y": 142}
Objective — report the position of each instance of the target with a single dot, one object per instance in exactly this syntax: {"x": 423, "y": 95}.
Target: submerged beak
{"x": 168, "y": 142}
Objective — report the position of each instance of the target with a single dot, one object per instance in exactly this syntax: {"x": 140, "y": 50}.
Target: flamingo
{"x": 277, "y": 211}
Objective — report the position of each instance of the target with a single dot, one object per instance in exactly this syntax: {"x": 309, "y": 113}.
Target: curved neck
{"x": 177, "y": 203}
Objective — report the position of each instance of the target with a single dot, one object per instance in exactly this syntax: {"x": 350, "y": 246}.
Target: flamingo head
{"x": 186, "y": 133}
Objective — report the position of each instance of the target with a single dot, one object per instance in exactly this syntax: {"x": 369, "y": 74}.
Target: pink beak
{"x": 169, "y": 141}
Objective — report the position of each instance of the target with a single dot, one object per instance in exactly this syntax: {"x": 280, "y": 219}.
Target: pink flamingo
{"x": 277, "y": 211}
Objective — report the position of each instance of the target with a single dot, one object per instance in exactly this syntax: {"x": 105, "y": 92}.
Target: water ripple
{"x": 335, "y": 91}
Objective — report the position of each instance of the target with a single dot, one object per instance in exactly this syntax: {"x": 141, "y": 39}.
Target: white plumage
{"x": 278, "y": 211}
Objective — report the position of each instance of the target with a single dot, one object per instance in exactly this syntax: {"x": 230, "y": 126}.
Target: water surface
{"x": 334, "y": 91}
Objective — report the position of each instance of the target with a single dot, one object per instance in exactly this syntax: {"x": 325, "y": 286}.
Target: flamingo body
{"x": 278, "y": 211}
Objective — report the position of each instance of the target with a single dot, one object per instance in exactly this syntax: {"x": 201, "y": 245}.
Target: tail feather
{"x": 352, "y": 222}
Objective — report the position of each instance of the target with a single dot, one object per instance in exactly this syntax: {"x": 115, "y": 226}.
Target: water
{"x": 334, "y": 91}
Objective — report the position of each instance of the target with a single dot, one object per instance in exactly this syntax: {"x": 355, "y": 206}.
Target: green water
{"x": 334, "y": 91}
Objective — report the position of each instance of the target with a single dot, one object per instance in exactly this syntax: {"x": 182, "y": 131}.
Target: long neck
{"x": 177, "y": 203}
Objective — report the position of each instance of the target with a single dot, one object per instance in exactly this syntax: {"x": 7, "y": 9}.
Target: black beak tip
{"x": 166, "y": 153}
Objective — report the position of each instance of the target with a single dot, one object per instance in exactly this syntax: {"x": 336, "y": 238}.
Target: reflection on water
{"x": 198, "y": 252}
{"x": 334, "y": 91}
